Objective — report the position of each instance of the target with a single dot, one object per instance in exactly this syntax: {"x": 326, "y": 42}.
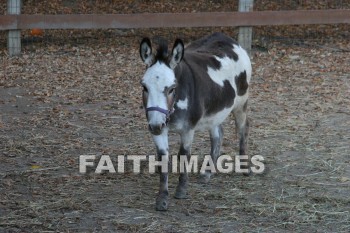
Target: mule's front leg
{"x": 161, "y": 142}
{"x": 185, "y": 150}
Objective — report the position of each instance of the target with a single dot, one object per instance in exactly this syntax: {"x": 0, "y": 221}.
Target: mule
{"x": 194, "y": 88}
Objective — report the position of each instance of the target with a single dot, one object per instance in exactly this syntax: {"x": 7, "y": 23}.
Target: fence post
{"x": 245, "y": 33}
{"x": 14, "y": 36}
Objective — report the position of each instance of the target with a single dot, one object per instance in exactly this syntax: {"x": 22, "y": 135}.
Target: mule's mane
{"x": 162, "y": 51}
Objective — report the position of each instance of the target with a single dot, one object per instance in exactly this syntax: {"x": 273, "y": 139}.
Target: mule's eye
{"x": 171, "y": 91}
{"x": 145, "y": 89}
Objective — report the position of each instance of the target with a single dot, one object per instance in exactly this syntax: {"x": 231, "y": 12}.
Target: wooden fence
{"x": 14, "y": 21}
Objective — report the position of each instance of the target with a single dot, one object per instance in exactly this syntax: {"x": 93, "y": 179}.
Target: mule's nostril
{"x": 156, "y": 129}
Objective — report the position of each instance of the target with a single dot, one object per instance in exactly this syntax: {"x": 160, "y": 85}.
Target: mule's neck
{"x": 185, "y": 80}
{"x": 186, "y": 83}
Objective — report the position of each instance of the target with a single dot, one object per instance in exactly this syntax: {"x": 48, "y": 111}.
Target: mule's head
{"x": 159, "y": 82}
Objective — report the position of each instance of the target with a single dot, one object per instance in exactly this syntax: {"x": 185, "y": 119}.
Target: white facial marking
{"x": 156, "y": 79}
{"x": 182, "y": 104}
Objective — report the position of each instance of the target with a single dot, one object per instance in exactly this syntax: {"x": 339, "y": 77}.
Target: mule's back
{"x": 218, "y": 52}
{"x": 216, "y": 44}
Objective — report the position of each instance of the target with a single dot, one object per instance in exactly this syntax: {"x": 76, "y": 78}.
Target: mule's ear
{"x": 146, "y": 51}
{"x": 177, "y": 53}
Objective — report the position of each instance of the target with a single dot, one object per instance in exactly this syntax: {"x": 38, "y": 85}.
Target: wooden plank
{"x": 8, "y": 22}
{"x": 158, "y": 20}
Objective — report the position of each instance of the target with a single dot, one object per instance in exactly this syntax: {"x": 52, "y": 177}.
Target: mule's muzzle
{"x": 156, "y": 129}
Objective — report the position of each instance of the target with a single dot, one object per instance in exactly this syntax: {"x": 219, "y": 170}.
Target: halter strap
{"x": 162, "y": 110}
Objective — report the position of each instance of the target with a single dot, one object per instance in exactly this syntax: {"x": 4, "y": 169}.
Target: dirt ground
{"x": 61, "y": 101}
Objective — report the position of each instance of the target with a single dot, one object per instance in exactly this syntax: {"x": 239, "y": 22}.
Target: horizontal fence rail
{"x": 156, "y": 20}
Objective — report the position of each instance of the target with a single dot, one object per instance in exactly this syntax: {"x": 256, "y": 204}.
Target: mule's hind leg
{"x": 185, "y": 150}
{"x": 216, "y": 136}
{"x": 242, "y": 126}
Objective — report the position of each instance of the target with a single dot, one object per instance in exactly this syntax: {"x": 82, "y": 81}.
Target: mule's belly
{"x": 208, "y": 122}
{"x": 205, "y": 122}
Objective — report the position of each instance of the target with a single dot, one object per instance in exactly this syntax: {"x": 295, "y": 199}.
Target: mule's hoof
{"x": 180, "y": 193}
{"x": 204, "y": 178}
{"x": 162, "y": 203}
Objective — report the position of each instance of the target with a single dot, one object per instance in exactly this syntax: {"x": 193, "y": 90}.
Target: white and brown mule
{"x": 194, "y": 88}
